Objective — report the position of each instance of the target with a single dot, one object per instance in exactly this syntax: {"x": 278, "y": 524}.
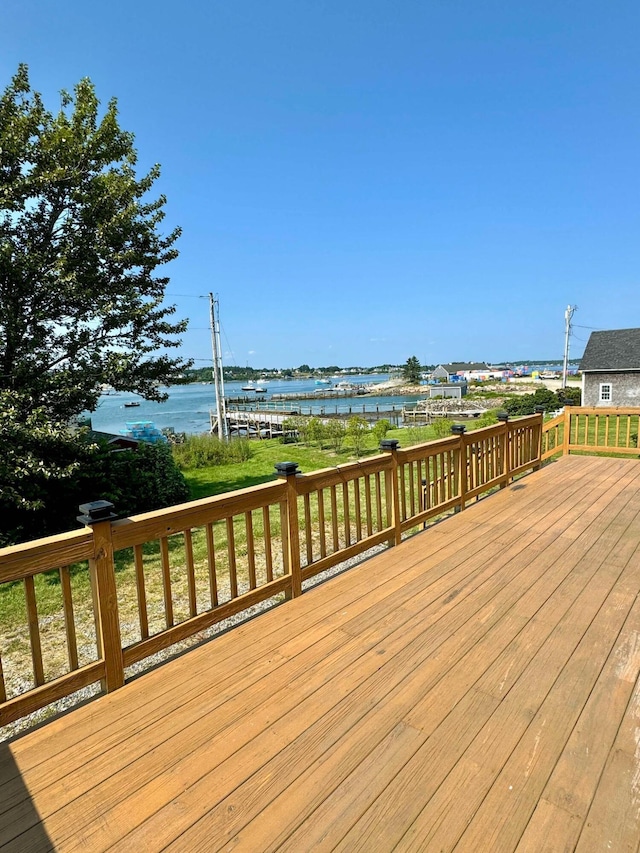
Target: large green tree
{"x": 81, "y": 302}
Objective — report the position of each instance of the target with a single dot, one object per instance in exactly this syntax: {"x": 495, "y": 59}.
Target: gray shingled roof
{"x": 617, "y": 349}
{"x": 459, "y": 366}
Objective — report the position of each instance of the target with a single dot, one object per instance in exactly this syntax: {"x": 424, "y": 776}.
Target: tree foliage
{"x": 80, "y": 300}
{"x": 411, "y": 370}
{"x": 46, "y": 471}
{"x": 36, "y": 453}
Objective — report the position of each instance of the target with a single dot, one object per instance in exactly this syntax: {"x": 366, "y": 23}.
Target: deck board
{"x": 475, "y": 688}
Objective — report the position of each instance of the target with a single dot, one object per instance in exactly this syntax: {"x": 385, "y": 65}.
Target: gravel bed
{"x": 80, "y": 697}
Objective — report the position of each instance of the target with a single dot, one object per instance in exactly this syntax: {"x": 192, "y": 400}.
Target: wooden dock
{"x": 473, "y": 689}
{"x": 264, "y": 421}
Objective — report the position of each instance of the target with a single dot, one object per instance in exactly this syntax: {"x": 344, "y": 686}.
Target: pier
{"x": 265, "y": 419}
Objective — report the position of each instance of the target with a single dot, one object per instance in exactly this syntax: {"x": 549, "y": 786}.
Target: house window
{"x": 605, "y": 392}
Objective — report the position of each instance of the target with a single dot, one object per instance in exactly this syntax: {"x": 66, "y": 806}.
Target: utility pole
{"x": 568, "y": 314}
{"x": 218, "y": 376}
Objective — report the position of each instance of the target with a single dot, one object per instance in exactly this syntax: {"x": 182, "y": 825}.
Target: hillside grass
{"x": 216, "y": 479}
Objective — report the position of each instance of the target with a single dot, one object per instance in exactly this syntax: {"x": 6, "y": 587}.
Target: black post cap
{"x": 389, "y": 444}
{"x": 503, "y": 416}
{"x": 458, "y": 429}
{"x": 286, "y": 469}
{"x": 96, "y": 511}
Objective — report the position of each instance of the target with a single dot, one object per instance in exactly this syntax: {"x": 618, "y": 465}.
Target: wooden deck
{"x": 474, "y": 689}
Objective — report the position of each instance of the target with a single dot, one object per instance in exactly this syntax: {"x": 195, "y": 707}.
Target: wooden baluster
{"x": 321, "y": 524}
{"x": 143, "y": 617}
{"x": 166, "y": 582}
{"x": 191, "y": 574}
{"x": 231, "y": 552}
{"x": 3, "y": 689}
{"x": 283, "y": 537}
{"x": 34, "y": 630}
{"x": 347, "y": 514}
{"x": 69, "y": 621}
{"x": 402, "y": 487}
{"x": 378, "y": 484}
{"x": 211, "y": 565}
{"x": 367, "y": 503}
{"x": 334, "y": 519}
{"x": 268, "y": 553}
{"x": 251, "y": 554}
{"x": 308, "y": 534}
{"x": 358, "y": 508}
{"x": 412, "y": 491}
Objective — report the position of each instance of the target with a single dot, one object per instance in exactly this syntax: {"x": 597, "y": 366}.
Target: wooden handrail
{"x": 582, "y": 427}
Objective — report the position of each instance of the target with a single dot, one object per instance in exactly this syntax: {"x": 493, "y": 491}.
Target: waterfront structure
{"x": 611, "y": 368}
{"x": 453, "y": 390}
{"x": 469, "y": 370}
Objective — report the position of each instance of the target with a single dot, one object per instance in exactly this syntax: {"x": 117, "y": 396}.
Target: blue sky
{"x": 364, "y": 180}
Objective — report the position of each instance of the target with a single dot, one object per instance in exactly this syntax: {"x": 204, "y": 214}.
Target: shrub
{"x": 314, "y": 431}
{"x": 357, "y": 432}
{"x": 380, "y": 429}
{"x": 139, "y": 480}
{"x": 442, "y": 427}
{"x": 551, "y": 400}
{"x": 335, "y": 432}
{"x": 202, "y": 451}
{"x": 290, "y": 433}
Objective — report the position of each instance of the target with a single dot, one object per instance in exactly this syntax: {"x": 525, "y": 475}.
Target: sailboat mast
{"x": 218, "y": 377}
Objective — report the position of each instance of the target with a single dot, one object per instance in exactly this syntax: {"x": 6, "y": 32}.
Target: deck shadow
{"x": 39, "y": 840}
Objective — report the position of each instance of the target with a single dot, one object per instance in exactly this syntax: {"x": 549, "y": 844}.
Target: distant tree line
{"x": 233, "y": 373}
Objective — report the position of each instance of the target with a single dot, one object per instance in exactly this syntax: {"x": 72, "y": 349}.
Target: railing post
{"x": 459, "y": 430}
{"x": 539, "y": 410}
{"x": 289, "y": 471}
{"x": 566, "y": 433}
{"x": 98, "y": 516}
{"x": 391, "y": 445}
{"x": 503, "y": 418}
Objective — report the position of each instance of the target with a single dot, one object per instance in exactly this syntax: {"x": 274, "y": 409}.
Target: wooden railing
{"x": 586, "y": 430}
{"x": 121, "y": 590}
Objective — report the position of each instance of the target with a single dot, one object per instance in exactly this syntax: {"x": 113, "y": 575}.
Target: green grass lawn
{"x": 216, "y": 479}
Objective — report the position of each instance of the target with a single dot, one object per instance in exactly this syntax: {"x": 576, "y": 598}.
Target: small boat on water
{"x": 323, "y": 382}
{"x": 132, "y": 404}
{"x": 260, "y": 390}
{"x": 249, "y": 387}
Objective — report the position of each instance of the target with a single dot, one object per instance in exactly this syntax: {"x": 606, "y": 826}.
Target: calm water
{"x": 188, "y": 406}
